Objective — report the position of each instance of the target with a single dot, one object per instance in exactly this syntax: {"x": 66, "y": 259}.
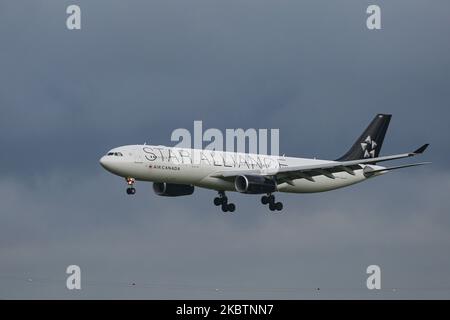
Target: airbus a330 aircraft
{"x": 174, "y": 172}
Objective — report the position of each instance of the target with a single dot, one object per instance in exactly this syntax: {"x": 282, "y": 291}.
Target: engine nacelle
{"x": 254, "y": 184}
{"x": 172, "y": 189}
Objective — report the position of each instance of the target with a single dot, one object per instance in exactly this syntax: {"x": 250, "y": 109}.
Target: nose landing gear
{"x": 222, "y": 201}
{"x": 270, "y": 199}
{"x": 130, "y": 189}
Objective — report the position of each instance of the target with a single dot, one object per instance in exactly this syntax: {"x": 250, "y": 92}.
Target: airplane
{"x": 177, "y": 171}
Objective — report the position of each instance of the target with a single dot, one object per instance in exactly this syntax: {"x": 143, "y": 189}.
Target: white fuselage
{"x": 198, "y": 167}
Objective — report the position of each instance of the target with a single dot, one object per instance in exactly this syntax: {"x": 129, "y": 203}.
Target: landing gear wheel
{"x": 130, "y": 183}
{"x": 270, "y": 200}
{"x": 279, "y": 206}
{"x": 222, "y": 201}
{"x": 217, "y": 201}
{"x": 264, "y": 199}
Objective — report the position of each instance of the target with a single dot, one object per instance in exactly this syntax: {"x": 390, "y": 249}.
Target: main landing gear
{"x": 222, "y": 200}
{"x": 130, "y": 189}
{"x": 270, "y": 199}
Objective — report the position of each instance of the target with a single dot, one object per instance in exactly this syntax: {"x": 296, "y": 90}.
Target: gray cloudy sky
{"x": 139, "y": 69}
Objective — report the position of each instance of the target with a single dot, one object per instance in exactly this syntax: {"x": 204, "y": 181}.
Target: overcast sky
{"x": 137, "y": 70}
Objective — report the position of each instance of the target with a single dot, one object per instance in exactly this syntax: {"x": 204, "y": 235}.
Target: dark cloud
{"x": 138, "y": 70}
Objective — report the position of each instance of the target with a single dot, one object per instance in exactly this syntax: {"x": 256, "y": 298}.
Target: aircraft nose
{"x": 104, "y": 162}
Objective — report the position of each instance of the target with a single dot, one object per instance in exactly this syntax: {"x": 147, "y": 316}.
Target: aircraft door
{"x": 138, "y": 158}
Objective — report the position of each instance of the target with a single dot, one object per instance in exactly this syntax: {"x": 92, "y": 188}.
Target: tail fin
{"x": 369, "y": 143}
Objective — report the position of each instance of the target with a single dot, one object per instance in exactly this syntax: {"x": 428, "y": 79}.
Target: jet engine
{"x": 254, "y": 184}
{"x": 172, "y": 189}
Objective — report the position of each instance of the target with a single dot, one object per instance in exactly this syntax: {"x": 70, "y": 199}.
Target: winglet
{"x": 421, "y": 149}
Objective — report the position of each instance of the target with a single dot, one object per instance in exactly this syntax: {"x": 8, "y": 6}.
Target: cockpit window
{"x": 116, "y": 154}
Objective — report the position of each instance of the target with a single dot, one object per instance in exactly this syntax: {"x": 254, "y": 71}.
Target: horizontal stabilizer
{"x": 371, "y": 172}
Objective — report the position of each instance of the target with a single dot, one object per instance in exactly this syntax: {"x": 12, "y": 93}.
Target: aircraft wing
{"x": 287, "y": 174}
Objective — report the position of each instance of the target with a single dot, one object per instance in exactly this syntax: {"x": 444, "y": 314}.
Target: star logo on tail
{"x": 369, "y": 147}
